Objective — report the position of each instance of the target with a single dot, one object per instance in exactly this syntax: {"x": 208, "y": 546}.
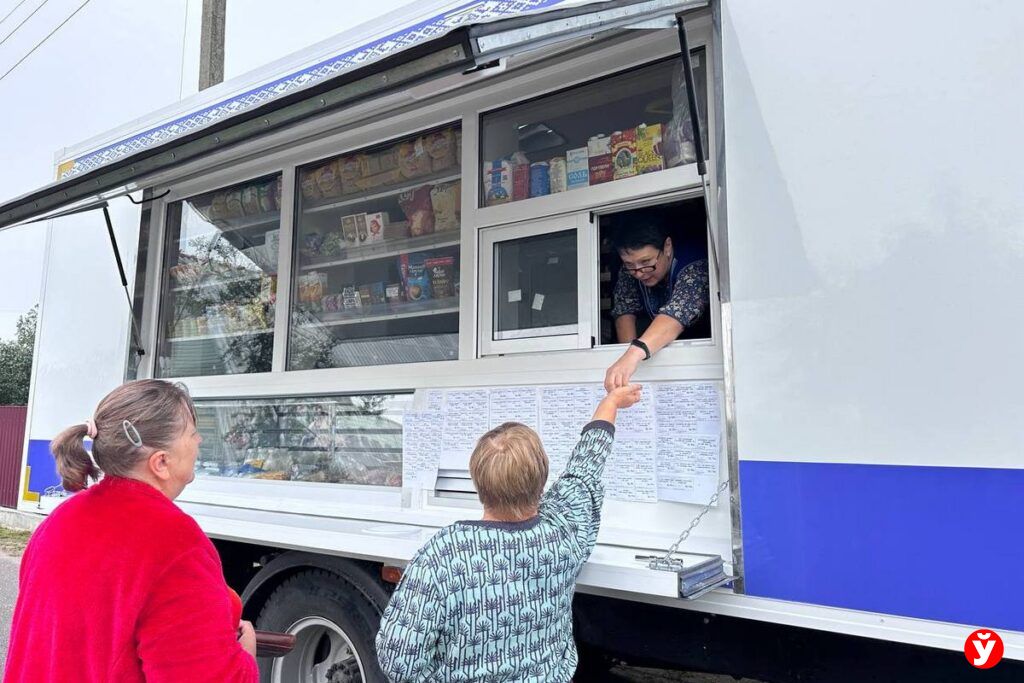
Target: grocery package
{"x": 599, "y": 153}
{"x": 364, "y": 296}
{"x": 418, "y": 209}
{"x": 332, "y": 303}
{"x": 396, "y": 231}
{"x": 350, "y": 299}
{"x": 557, "y": 173}
{"x": 624, "y": 154}
{"x": 520, "y": 176}
{"x": 268, "y": 289}
{"x": 540, "y": 179}
{"x": 415, "y": 275}
{"x": 310, "y": 188}
{"x": 250, "y": 200}
{"x": 446, "y": 199}
{"x": 219, "y": 206}
{"x": 441, "y": 148}
{"x": 442, "y": 276}
{"x": 497, "y": 182}
{"x": 377, "y": 293}
{"x": 413, "y": 159}
{"x": 349, "y": 229}
{"x": 648, "y": 148}
{"x": 350, "y": 170}
{"x": 234, "y": 204}
{"x": 271, "y": 246}
{"x": 361, "y": 229}
{"x": 328, "y": 180}
{"x": 265, "y": 196}
{"x": 375, "y": 224}
{"x": 334, "y": 243}
{"x": 577, "y": 168}
{"x": 393, "y": 293}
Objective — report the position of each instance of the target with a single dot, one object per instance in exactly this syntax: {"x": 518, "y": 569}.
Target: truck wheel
{"x": 334, "y": 624}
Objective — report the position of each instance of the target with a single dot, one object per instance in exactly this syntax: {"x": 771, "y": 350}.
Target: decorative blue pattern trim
{"x": 469, "y": 13}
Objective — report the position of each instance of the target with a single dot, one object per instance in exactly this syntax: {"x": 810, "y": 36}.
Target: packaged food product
{"x": 377, "y": 293}
{"x": 441, "y": 148}
{"x": 648, "y": 148}
{"x": 413, "y": 159}
{"x": 276, "y": 187}
{"x": 415, "y": 276}
{"x": 388, "y": 159}
{"x": 599, "y": 159}
{"x": 317, "y": 288}
{"x": 365, "y": 299}
{"x": 350, "y": 299}
{"x": 442, "y": 276}
{"x": 333, "y": 303}
{"x": 520, "y": 176}
{"x": 349, "y": 230}
{"x": 540, "y": 179}
{"x": 393, "y": 293}
{"x": 250, "y": 200}
{"x": 234, "y": 204}
{"x": 219, "y": 206}
{"x": 313, "y": 241}
{"x": 418, "y": 209}
{"x": 396, "y": 230}
{"x": 577, "y": 168}
{"x": 557, "y": 171}
{"x": 361, "y": 230}
{"x": 310, "y": 188}
{"x": 446, "y": 200}
{"x": 271, "y": 246}
{"x": 328, "y": 180}
{"x": 497, "y": 182}
{"x": 375, "y": 223}
{"x": 369, "y": 165}
{"x": 268, "y": 289}
{"x": 265, "y": 197}
{"x": 624, "y": 154}
{"x": 334, "y": 243}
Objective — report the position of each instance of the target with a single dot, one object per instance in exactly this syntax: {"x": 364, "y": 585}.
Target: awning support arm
{"x": 146, "y": 200}
{"x": 136, "y": 335}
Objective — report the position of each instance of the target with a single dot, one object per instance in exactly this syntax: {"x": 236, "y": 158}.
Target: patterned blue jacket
{"x": 492, "y": 601}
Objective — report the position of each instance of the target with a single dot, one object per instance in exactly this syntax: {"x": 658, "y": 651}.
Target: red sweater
{"x": 119, "y": 585}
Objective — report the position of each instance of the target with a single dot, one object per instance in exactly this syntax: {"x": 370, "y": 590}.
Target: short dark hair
{"x": 644, "y": 234}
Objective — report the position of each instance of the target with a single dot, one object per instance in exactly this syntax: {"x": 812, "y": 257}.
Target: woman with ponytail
{"x": 118, "y": 584}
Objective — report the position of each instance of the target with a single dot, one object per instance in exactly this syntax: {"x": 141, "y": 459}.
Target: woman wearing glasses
{"x": 657, "y": 287}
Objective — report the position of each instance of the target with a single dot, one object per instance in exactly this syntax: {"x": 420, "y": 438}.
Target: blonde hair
{"x": 150, "y": 411}
{"x": 509, "y": 468}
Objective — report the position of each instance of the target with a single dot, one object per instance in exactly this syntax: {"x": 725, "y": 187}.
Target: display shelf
{"x": 387, "y": 312}
{"x": 389, "y": 248}
{"x": 220, "y": 283}
{"x": 410, "y": 184}
{"x": 222, "y": 335}
{"x": 242, "y": 223}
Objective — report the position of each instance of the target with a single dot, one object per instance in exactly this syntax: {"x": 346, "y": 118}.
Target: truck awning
{"x": 453, "y": 37}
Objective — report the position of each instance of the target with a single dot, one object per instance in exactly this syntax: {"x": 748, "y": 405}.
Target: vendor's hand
{"x": 622, "y": 370}
{"x": 625, "y": 397}
{"x": 247, "y": 637}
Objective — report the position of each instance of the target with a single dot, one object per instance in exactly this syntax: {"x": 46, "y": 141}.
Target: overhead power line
{"x": 23, "y": 21}
{"x": 6, "y": 16}
{"x": 40, "y": 43}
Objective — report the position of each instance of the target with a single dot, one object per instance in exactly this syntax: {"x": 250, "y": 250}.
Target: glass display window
{"x": 618, "y": 127}
{"x": 376, "y": 276}
{"x": 219, "y": 285}
{"x": 324, "y": 439}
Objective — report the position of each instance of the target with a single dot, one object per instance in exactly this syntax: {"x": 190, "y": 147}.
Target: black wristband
{"x": 643, "y": 347}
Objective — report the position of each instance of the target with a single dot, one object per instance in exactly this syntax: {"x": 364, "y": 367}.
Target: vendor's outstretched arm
{"x": 662, "y": 331}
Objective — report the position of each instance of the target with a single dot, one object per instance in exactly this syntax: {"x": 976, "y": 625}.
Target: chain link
{"x": 696, "y": 520}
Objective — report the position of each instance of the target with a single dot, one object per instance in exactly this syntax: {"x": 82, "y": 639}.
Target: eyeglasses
{"x": 644, "y": 270}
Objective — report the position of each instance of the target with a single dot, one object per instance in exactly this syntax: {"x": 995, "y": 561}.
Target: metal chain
{"x": 696, "y": 520}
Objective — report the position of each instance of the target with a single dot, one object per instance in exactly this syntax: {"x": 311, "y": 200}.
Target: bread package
{"x": 413, "y": 159}
{"x": 441, "y": 148}
{"x": 446, "y": 199}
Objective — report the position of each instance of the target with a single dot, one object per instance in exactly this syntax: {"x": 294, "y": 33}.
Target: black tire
{"x": 333, "y": 618}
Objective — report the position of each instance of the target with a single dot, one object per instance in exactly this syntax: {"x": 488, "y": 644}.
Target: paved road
{"x": 8, "y": 595}
{"x": 621, "y": 674}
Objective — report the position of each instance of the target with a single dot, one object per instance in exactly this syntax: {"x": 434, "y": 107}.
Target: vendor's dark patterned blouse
{"x": 687, "y": 302}
{"x": 492, "y": 601}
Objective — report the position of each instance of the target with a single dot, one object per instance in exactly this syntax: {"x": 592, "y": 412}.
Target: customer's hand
{"x": 625, "y": 397}
{"x": 247, "y": 637}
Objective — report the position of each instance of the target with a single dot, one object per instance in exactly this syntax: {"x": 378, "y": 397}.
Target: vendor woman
{"x": 655, "y": 287}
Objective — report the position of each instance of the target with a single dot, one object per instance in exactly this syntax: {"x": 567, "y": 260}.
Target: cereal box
{"x": 375, "y": 223}
{"x": 648, "y": 148}
{"x": 624, "y": 154}
{"x": 599, "y": 155}
{"x": 497, "y": 182}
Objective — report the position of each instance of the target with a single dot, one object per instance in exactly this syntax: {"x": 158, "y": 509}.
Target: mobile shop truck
{"x": 361, "y": 257}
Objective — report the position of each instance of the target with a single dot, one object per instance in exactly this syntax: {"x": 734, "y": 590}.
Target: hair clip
{"x": 90, "y": 429}
{"x": 136, "y": 439}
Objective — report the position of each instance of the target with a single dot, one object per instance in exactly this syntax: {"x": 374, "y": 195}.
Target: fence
{"x": 12, "y": 441}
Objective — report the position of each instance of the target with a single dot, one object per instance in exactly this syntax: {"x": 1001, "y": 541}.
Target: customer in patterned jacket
{"x": 491, "y": 599}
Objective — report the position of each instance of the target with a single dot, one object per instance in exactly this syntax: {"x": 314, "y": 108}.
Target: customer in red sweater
{"x": 119, "y": 585}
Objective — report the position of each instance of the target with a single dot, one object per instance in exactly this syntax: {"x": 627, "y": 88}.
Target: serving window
{"x": 376, "y": 263}
{"x": 615, "y": 128}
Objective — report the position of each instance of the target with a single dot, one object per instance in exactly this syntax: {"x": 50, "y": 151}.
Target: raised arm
{"x": 575, "y": 499}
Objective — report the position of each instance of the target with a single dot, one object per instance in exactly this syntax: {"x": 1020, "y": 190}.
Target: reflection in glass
{"x": 377, "y": 255}
{"x": 331, "y": 439}
{"x": 535, "y": 288}
{"x": 220, "y": 281}
{"x": 615, "y": 128}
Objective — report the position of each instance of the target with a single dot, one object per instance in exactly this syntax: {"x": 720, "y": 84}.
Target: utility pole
{"x": 211, "y": 43}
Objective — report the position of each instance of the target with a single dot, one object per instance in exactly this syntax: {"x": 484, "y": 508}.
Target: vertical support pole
{"x": 211, "y": 43}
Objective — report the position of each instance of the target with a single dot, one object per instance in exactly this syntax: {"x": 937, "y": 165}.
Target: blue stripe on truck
{"x": 44, "y": 470}
{"x": 942, "y": 543}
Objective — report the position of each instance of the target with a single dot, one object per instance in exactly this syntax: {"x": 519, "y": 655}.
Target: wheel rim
{"x": 323, "y": 653}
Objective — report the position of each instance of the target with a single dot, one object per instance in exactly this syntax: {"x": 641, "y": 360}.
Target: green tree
{"x": 16, "y": 361}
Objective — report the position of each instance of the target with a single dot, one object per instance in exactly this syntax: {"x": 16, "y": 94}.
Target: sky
{"x": 112, "y": 62}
